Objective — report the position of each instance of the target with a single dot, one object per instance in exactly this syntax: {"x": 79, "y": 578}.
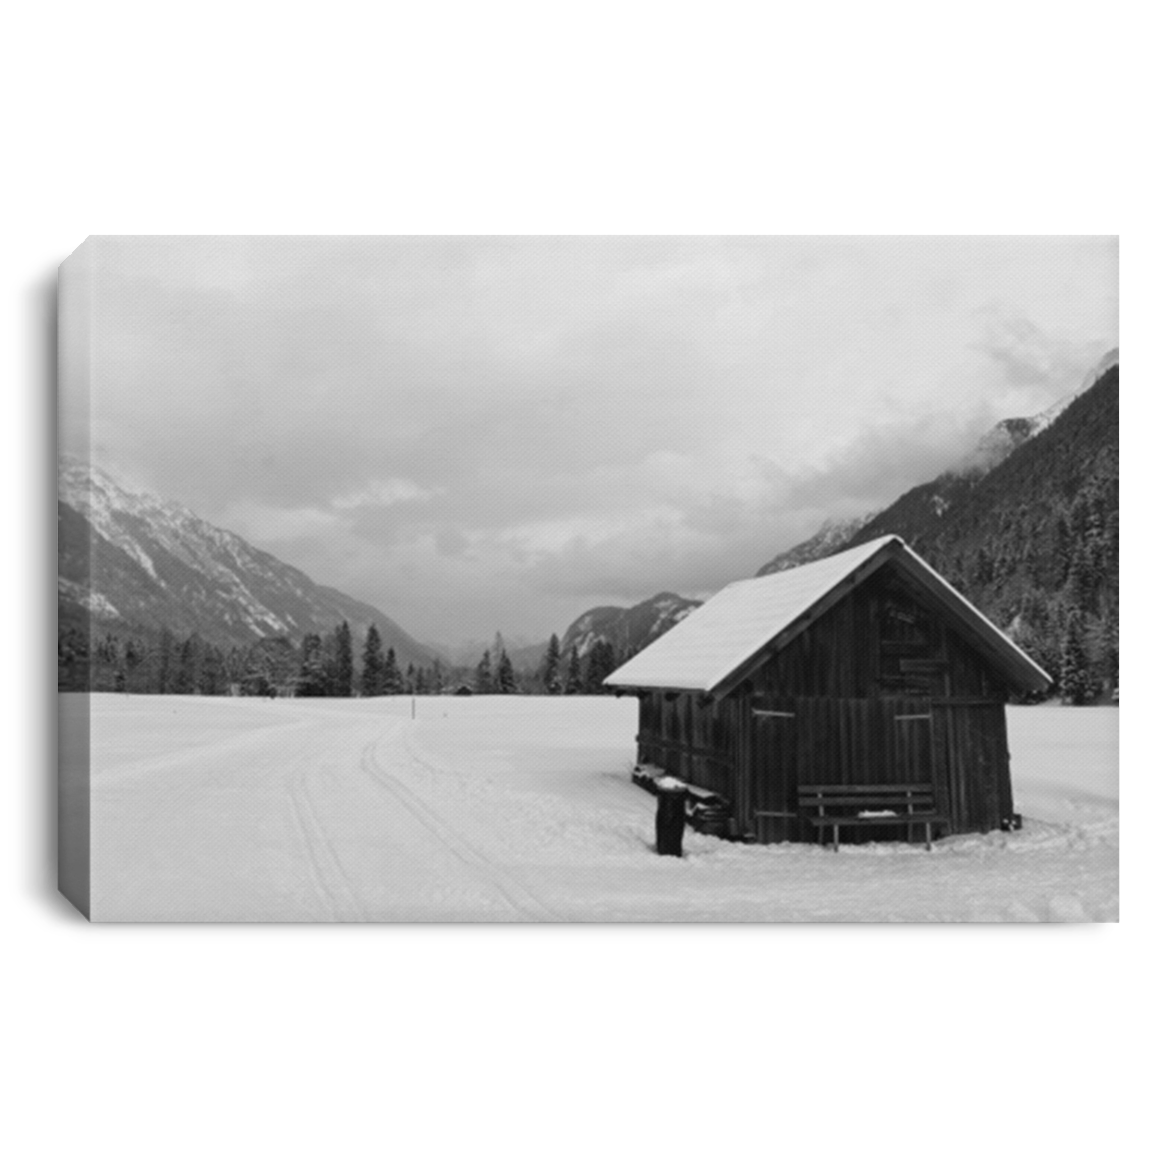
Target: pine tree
{"x": 313, "y": 677}
{"x": 343, "y": 662}
{"x": 212, "y": 678}
{"x": 165, "y": 661}
{"x": 391, "y": 677}
{"x": 610, "y": 664}
{"x": 186, "y": 679}
{"x": 132, "y": 656}
{"x": 372, "y": 665}
{"x": 422, "y": 684}
{"x": 483, "y": 676}
{"x": 436, "y": 678}
{"x": 573, "y": 674}
{"x": 411, "y": 680}
{"x": 1075, "y": 684}
{"x": 257, "y": 681}
{"x": 551, "y": 674}
{"x": 506, "y": 679}
{"x": 600, "y": 665}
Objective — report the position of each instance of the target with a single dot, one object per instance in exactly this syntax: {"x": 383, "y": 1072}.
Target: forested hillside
{"x": 1035, "y": 542}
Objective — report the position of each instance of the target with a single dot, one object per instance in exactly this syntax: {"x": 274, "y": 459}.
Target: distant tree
{"x": 600, "y": 665}
{"x": 483, "y": 675}
{"x": 313, "y": 676}
{"x": 165, "y": 661}
{"x": 211, "y": 678}
{"x": 551, "y": 672}
{"x": 257, "y": 680}
{"x": 411, "y": 680}
{"x": 421, "y": 686}
{"x": 343, "y": 662}
{"x": 190, "y": 659}
{"x": 270, "y": 665}
{"x": 573, "y": 674}
{"x": 391, "y": 678}
{"x": 372, "y": 665}
{"x": 72, "y": 659}
{"x": 234, "y": 669}
{"x": 1075, "y": 682}
{"x": 1102, "y": 641}
{"x": 506, "y": 679}
{"x": 132, "y": 656}
{"x": 436, "y": 677}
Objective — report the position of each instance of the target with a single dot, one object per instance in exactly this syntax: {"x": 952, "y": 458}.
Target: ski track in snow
{"x": 523, "y": 901}
{"x": 332, "y": 880}
{"x": 513, "y": 810}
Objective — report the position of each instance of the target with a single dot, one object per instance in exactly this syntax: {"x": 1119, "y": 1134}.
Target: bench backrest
{"x": 917, "y": 794}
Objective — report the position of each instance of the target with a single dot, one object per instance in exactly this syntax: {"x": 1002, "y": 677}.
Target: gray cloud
{"x": 480, "y": 433}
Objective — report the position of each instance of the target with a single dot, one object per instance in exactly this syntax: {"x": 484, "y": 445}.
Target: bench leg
{"x": 928, "y": 836}
{"x": 836, "y": 838}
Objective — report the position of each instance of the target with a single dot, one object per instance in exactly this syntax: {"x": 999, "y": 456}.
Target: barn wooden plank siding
{"x": 866, "y": 668}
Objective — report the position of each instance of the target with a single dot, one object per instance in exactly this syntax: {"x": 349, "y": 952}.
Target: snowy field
{"x": 521, "y": 809}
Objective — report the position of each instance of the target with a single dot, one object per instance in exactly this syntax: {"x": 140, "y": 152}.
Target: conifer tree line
{"x": 1049, "y": 576}
{"x": 320, "y": 666}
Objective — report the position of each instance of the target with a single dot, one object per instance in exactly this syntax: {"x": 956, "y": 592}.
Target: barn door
{"x": 971, "y": 764}
{"x": 774, "y": 766}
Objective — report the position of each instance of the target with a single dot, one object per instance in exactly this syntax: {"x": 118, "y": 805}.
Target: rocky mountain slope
{"x": 830, "y": 538}
{"x": 134, "y": 563}
{"x": 627, "y": 629}
{"x": 1034, "y": 543}
{"x": 919, "y": 512}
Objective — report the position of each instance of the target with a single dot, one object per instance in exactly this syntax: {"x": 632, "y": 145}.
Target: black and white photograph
{"x": 589, "y": 579}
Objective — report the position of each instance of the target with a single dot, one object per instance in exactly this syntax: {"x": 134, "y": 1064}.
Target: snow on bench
{"x": 707, "y": 810}
{"x": 907, "y": 804}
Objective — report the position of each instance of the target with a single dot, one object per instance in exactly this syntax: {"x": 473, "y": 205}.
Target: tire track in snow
{"x": 329, "y": 874}
{"x": 523, "y": 900}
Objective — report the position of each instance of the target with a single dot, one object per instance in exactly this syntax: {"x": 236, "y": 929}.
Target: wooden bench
{"x": 905, "y": 804}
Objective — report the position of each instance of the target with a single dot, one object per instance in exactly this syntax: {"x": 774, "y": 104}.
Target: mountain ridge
{"x": 627, "y": 628}
{"x": 914, "y": 514}
{"x": 135, "y": 561}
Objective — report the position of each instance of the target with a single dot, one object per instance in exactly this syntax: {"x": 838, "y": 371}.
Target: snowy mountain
{"x": 832, "y": 536}
{"x": 628, "y": 629}
{"x": 132, "y": 561}
{"x": 1050, "y": 442}
{"x": 997, "y": 445}
{"x": 1034, "y": 543}
{"x": 920, "y": 510}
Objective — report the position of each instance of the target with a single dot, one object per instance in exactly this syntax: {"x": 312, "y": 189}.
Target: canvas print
{"x": 589, "y": 579}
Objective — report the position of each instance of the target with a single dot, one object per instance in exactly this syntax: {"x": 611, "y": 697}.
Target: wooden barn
{"x": 852, "y": 690}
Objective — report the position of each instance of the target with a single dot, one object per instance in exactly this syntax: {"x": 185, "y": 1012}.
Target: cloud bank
{"x": 496, "y": 433}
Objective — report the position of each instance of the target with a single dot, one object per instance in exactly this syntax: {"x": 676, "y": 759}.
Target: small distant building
{"x": 863, "y": 668}
{"x": 463, "y": 690}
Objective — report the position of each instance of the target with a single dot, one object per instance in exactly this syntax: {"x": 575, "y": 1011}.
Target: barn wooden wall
{"x": 692, "y": 741}
{"x": 845, "y": 653}
{"x": 878, "y": 690}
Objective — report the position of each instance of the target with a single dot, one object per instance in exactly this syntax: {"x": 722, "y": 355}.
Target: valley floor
{"x": 521, "y": 809}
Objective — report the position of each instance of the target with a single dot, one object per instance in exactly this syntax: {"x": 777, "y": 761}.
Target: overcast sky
{"x": 482, "y": 434}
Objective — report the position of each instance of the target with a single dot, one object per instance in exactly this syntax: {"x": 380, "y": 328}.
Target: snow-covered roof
{"x": 728, "y": 631}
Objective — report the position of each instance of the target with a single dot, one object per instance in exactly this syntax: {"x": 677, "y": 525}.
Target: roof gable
{"x": 717, "y": 645}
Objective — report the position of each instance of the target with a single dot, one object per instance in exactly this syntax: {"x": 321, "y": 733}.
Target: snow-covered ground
{"x": 521, "y": 809}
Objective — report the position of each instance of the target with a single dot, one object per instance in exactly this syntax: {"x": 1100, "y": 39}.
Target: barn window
{"x": 910, "y": 643}
{"x": 906, "y": 626}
